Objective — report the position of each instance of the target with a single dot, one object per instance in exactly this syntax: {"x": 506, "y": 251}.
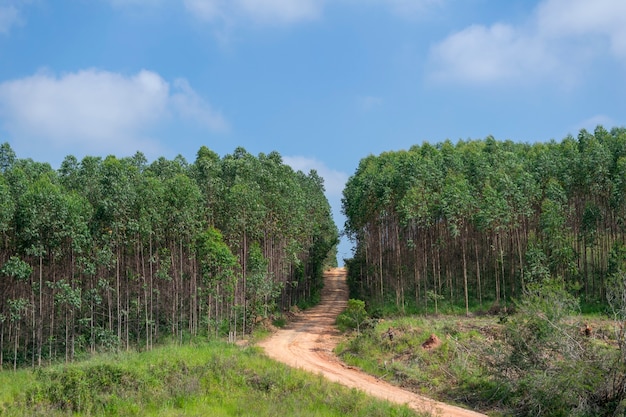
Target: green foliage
{"x": 262, "y": 290}
{"x": 353, "y": 316}
{"x": 17, "y": 268}
{"x": 475, "y": 220}
{"x": 115, "y": 252}
{"x": 543, "y": 361}
{"x": 538, "y": 331}
{"x": 552, "y": 370}
{"x": 217, "y": 262}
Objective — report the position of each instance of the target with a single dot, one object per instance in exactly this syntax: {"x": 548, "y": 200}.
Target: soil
{"x": 308, "y": 342}
{"x": 433, "y": 342}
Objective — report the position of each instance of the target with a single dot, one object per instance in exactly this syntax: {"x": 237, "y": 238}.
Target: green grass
{"x": 449, "y": 373}
{"x": 205, "y": 379}
{"x": 475, "y": 367}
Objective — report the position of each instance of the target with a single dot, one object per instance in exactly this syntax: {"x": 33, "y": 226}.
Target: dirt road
{"x": 308, "y": 343}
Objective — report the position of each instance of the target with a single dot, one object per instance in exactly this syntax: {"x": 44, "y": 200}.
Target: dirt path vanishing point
{"x": 309, "y": 340}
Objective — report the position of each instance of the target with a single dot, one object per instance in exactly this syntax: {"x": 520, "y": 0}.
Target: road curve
{"x": 308, "y": 342}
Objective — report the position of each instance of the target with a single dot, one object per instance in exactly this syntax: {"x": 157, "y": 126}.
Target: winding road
{"x": 308, "y": 342}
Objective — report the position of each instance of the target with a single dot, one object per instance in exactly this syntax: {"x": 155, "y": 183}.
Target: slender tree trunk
{"x": 1, "y": 346}
{"x": 520, "y": 258}
{"x": 463, "y": 244}
{"x": 118, "y": 289}
{"x": 40, "y": 327}
{"x": 380, "y": 265}
{"x": 478, "y": 283}
{"x": 16, "y": 345}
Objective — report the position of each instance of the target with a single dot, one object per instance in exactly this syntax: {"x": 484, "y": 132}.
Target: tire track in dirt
{"x": 308, "y": 342}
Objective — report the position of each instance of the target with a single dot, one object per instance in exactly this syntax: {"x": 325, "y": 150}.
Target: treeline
{"x": 112, "y": 253}
{"x": 474, "y": 222}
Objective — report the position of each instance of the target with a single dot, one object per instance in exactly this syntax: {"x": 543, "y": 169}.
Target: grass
{"x": 450, "y": 372}
{"x": 212, "y": 378}
{"x": 465, "y": 368}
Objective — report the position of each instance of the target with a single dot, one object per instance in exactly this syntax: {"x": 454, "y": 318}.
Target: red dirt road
{"x": 309, "y": 340}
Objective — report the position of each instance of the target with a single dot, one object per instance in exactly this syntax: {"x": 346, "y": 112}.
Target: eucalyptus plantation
{"x": 474, "y": 222}
{"x": 113, "y": 253}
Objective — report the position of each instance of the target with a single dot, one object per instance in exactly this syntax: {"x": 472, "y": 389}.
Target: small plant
{"x": 353, "y": 316}
{"x": 279, "y": 322}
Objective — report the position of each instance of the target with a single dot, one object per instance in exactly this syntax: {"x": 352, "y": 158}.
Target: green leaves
{"x": 353, "y": 316}
{"x": 217, "y": 263}
{"x": 17, "y": 268}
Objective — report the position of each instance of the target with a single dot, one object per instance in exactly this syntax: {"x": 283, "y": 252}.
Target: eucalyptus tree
{"x": 51, "y": 226}
{"x": 218, "y": 269}
{"x": 7, "y": 157}
{"x": 458, "y": 207}
{"x": 7, "y": 213}
{"x": 183, "y": 221}
{"x": 116, "y": 226}
{"x": 207, "y": 171}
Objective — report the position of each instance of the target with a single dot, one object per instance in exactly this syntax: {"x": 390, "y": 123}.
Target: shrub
{"x": 552, "y": 370}
{"x": 353, "y": 316}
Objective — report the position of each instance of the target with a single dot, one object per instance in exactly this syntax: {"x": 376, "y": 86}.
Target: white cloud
{"x": 97, "y": 111}
{"x": 260, "y": 11}
{"x": 556, "y": 41}
{"x": 582, "y": 18}
{"x": 334, "y": 181}
{"x": 191, "y": 106}
{"x": 496, "y": 53}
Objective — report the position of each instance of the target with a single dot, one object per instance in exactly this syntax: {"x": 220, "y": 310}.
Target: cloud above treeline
{"x": 558, "y": 38}
{"x": 94, "y": 110}
{"x": 334, "y": 181}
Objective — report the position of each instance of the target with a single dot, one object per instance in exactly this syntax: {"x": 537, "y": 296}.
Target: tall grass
{"x": 206, "y": 379}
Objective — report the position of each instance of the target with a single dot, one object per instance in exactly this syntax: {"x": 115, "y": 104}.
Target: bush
{"x": 353, "y": 316}
{"x": 552, "y": 369}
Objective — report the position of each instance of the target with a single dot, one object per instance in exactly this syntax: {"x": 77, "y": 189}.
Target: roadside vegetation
{"x": 211, "y": 379}
{"x": 542, "y": 358}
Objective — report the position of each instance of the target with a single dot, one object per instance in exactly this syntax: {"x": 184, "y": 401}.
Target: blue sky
{"x": 323, "y": 82}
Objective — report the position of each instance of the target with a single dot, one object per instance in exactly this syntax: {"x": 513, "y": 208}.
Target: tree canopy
{"x": 117, "y": 252}
{"x": 478, "y": 220}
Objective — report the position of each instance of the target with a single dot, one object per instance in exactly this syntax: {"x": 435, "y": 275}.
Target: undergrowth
{"x": 542, "y": 358}
{"x": 392, "y": 349}
{"x": 212, "y": 379}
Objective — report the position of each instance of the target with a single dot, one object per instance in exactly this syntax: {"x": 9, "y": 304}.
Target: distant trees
{"x": 478, "y": 220}
{"x": 112, "y": 253}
